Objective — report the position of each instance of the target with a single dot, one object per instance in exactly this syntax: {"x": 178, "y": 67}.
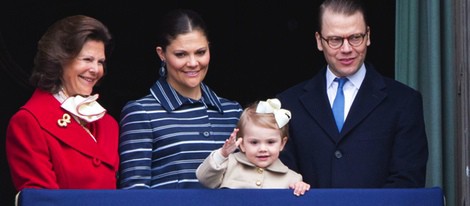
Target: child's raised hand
{"x": 299, "y": 188}
{"x": 231, "y": 144}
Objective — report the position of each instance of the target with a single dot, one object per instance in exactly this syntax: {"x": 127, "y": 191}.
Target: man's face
{"x": 346, "y": 59}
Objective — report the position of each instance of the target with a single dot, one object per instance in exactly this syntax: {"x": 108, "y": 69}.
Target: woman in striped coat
{"x": 166, "y": 135}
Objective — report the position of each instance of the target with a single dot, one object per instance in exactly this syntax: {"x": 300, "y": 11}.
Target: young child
{"x": 262, "y": 133}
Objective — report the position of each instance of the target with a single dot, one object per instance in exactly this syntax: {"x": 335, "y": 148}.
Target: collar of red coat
{"x": 47, "y": 111}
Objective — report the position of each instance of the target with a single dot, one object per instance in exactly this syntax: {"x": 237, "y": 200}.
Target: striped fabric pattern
{"x": 165, "y": 136}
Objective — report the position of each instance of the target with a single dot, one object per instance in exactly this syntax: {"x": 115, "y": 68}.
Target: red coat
{"x": 41, "y": 154}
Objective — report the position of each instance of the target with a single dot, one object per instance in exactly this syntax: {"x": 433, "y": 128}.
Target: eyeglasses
{"x": 336, "y": 42}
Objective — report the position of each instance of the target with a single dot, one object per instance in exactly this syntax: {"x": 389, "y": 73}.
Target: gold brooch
{"x": 64, "y": 121}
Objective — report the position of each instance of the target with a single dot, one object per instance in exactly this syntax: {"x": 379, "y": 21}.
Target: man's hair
{"x": 346, "y": 7}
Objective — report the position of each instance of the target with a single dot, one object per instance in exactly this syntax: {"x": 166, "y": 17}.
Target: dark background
{"x": 258, "y": 48}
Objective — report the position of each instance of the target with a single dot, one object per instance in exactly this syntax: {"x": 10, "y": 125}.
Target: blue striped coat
{"x": 165, "y": 136}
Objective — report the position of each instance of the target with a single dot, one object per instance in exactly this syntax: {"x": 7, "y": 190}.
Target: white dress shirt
{"x": 350, "y": 89}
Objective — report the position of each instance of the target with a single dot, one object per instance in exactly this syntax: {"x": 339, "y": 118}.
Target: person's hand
{"x": 231, "y": 144}
{"x": 299, "y": 188}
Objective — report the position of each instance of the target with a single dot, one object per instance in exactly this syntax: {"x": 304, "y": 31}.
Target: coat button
{"x": 259, "y": 170}
{"x": 96, "y": 161}
{"x": 258, "y": 183}
{"x": 206, "y": 134}
{"x": 338, "y": 154}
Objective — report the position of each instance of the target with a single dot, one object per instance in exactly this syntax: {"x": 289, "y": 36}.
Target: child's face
{"x": 262, "y": 145}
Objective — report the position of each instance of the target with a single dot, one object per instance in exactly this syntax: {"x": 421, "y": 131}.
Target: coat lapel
{"x": 48, "y": 112}
{"x": 370, "y": 95}
{"x": 315, "y": 101}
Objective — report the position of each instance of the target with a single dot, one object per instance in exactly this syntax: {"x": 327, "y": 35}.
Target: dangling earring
{"x": 162, "y": 70}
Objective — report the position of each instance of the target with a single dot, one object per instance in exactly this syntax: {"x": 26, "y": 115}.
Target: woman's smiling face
{"x": 187, "y": 60}
{"x": 82, "y": 73}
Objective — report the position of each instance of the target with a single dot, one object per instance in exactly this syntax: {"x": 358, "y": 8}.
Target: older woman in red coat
{"x": 62, "y": 138}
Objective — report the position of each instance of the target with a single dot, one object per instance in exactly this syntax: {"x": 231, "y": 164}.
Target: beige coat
{"x": 237, "y": 172}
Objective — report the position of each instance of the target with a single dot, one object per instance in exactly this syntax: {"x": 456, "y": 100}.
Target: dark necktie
{"x": 338, "y": 103}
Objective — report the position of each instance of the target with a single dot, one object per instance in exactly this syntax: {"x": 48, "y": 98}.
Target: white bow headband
{"x": 273, "y": 106}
